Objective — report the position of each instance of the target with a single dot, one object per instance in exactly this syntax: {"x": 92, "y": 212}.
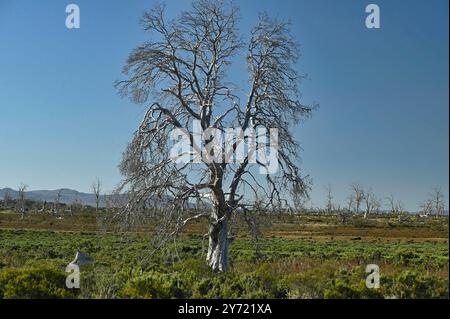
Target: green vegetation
{"x": 32, "y": 264}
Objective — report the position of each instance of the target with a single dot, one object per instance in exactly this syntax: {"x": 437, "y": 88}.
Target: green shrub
{"x": 36, "y": 282}
{"x": 351, "y": 285}
{"x": 308, "y": 285}
{"x": 410, "y": 284}
{"x": 154, "y": 285}
{"x": 343, "y": 289}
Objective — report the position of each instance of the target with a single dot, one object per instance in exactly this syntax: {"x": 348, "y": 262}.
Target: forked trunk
{"x": 217, "y": 257}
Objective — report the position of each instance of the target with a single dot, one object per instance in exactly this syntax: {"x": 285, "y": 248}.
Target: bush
{"x": 343, "y": 289}
{"x": 410, "y": 284}
{"x": 351, "y": 285}
{"x": 154, "y": 285}
{"x": 36, "y": 282}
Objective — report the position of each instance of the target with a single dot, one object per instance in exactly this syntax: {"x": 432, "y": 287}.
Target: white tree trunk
{"x": 217, "y": 257}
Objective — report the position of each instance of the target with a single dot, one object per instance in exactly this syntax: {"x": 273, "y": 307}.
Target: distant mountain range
{"x": 68, "y": 196}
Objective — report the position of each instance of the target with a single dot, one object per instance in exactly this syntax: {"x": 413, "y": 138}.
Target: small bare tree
{"x": 329, "y": 198}
{"x": 376, "y": 204}
{"x": 42, "y": 209}
{"x": 56, "y": 203}
{"x": 350, "y": 203}
{"x": 7, "y": 199}
{"x": 371, "y": 202}
{"x": 426, "y": 207}
{"x": 437, "y": 197}
{"x": 400, "y": 209}
{"x": 21, "y": 202}
{"x": 393, "y": 208}
{"x": 358, "y": 196}
{"x": 181, "y": 76}
{"x": 96, "y": 189}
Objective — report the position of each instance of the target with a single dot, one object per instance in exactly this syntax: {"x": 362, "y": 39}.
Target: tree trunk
{"x": 217, "y": 257}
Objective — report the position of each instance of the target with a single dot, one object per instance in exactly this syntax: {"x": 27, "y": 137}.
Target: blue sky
{"x": 383, "y": 94}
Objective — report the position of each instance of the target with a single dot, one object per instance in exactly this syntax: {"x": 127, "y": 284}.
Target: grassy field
{"x": 306, "y": 256}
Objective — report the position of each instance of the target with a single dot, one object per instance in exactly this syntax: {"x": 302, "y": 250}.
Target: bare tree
{"x": 437, "y": 197}
{"x": 42, "y": 209}
{"x": 181, "y": 76}
{"x": 350, "y": 202}
{"x": 426, "y": 207}
{"x": 400, "y": 210}
{"x": 56, "y": 206}
{"x": 6, "y": 199}
{"x": 392, "y": 204}
{"x": 96, "y": 189}
{"x": 368, "y": 201}
{"x": 358, "y": 195}
{"x": 376, "y": 204}
{"x": 21, "y": 201}
{"x": 395, "y": 206}
{"x": 329, "y": 198}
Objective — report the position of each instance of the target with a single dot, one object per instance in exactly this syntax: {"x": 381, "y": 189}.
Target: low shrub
{"x": 154, "y": 285}
{"x": 42, "y": 282}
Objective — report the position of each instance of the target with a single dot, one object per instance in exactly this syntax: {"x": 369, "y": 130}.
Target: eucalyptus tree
{"x": 182, "y": 76}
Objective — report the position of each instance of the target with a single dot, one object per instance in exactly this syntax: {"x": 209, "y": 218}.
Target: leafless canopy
{"x": 358, "y": 195}
{"x": 437, "y": 200}
{"x": 181, "y": 75}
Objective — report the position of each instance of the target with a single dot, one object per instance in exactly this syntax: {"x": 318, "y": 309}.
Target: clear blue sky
{"x": 383, "y": 120}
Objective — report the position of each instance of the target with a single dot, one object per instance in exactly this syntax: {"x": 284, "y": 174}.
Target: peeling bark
{"x": 217, "y": 257}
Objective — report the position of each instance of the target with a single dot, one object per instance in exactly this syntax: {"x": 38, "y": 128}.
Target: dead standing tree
{"x": 181, "y": 77}
{"x": 96, "y": 189}
{"x": 7, "y": 199}
{"x": 329, "y": 198}
{"x": 369, "y": 199}
{"x": 21, "y": 201}
{"x": 358, "y": 196}
{"x": 437, "y": 198}
{"x": 56, "y": 203}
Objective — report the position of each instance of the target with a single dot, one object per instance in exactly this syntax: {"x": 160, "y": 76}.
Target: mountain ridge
{"x": 67, "y": 196}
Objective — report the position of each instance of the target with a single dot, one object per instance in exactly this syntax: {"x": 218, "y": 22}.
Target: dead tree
{"x": 181, "y": 77}
{"x": 369, "y": 199}
{"x": 56, "y": 206}
{"x": 96, "y": 189}
{"x": 329, "y": 198}
{"x": 21, "y": 202}
{"x": 350, "y": 202}
{"x": 7, "y": 199}
{"x": 400, "y": 210}
{"x": 42, "y": 209}
{"x": 376, "y": 204}
{"x": 426, "y": 208}
{"x": 392, "y": 206}
{"x": 395, "y": 207}
{"x": 358, "y": 195}
{"x": 437, "y": 197}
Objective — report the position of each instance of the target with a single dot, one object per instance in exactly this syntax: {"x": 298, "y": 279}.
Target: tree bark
{"x": 217, "y": 257}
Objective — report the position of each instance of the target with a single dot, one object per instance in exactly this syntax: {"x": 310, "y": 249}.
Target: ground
{"x": 305, "y": 256}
